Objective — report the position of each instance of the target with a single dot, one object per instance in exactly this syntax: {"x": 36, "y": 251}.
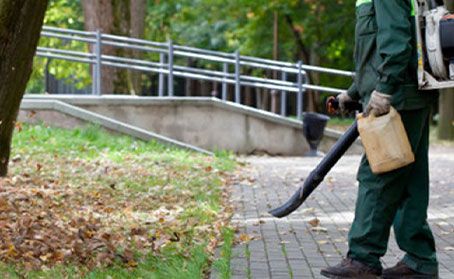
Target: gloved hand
{"x": 343, "y": 98}
{"x": 380, "y": 103}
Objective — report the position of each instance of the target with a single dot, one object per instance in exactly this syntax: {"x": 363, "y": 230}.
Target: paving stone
{"x": 308, "y": 251}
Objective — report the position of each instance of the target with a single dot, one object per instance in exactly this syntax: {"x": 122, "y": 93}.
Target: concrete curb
{"x": 106, "y": 122}
{"x": 206, "y": 101}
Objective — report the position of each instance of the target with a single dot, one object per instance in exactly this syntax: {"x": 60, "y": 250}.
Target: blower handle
{"x": 332, "y": 105}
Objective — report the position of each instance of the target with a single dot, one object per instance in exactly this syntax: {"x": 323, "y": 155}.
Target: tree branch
{"x": 303, "y": 51}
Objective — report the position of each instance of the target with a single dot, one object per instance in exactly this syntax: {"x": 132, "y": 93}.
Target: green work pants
{"x": 399, "y": 198}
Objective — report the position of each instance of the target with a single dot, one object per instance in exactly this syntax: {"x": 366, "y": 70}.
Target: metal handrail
{"x": 211, "y": 52}
{"x": 68, "y": 52}
{"x": 68, "y": 31}
{"x": 64, "y": 57}
{"x": 67, "y": 37}
{"x": 133, "y": 40}
{"x": 136, "y": 47}
{"x": 166, "y": 65}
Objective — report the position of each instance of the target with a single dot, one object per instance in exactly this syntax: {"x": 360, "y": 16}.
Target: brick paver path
{"x": 292, "y": 247}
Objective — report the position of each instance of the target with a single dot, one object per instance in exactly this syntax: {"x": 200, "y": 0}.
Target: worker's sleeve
{"x": 394, "y": 42}
{"x": 353, "y": 92}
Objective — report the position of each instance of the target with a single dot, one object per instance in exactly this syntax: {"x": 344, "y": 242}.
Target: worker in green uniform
{"x": 386, "y": 62}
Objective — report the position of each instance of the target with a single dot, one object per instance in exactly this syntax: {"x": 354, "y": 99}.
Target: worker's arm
{"x": 353, "y": 92}
{"x": 394, "y": 42}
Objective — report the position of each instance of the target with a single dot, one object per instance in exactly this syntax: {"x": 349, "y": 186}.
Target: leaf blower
{"x": 318, "y": 174}
{"x": 435, "y": 42}
{"x": 435, "y": 45}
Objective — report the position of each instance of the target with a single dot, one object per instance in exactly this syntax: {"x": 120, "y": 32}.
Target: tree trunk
{"x": 98, "y": 15}
{"x": 303, "y": 52}
{"x": 275, "y": 105}
{"x": 138, "y": 15}
{"x": 122, "y": 27}
{"x": 306, "y": 55}
{"x": 258, "y": 97}
{"x": 205, "y": 89}
{"x": 20, "y": 26}
{"x": 112, "y": 17}
{"x": 446, "y": 125}
{"x": 315, "y": 59}
{"x": 248, "y": 96}
{"x": 190, "y": 84}
{"x": 275, "y": 102}
{"x": 312, "y": 96}
{"x": 265, "y": 99}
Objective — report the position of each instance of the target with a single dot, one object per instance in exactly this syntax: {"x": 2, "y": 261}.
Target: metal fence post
{"x": 284, "y": 97}
{"x": 162, "y": 59}
{"x": 98, "y": 53}
{"x": 94, "y": 80}
{"x": 170, "y": 77}
{"x": 225, "y": 69}
{"x": 299, "y": 106}
{"x": 237, "y": 77}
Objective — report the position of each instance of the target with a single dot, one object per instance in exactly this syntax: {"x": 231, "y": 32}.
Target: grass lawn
{"x": 339, "y": 124}
{"x": 83, "y": 203}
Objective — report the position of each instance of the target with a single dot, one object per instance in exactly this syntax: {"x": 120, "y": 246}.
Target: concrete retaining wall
{"x": 65, "y": 115}
{"x": 208, "y": 123}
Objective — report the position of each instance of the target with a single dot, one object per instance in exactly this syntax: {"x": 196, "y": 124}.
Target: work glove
{"x": 380, "y": 103}
{"x": 343, "y": 98}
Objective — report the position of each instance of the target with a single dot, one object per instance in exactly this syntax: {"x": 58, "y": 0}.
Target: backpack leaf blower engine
{"x": 435, "y": 39}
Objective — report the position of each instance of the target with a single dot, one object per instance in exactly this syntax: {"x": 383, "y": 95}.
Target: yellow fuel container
{"x": 385, "y": 140}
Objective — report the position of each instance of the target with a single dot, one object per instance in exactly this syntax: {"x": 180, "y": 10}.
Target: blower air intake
{"x": 435, "y": 36}
{"x": 447, "y": 41}
{"x": 447, "y": 36}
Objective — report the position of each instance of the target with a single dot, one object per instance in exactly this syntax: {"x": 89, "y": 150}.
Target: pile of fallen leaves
{"x": 38, "y": 227}
{"x": 60, "y": 208}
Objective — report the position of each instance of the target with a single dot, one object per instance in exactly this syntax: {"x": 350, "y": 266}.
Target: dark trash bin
{"x": 313, "y": 127}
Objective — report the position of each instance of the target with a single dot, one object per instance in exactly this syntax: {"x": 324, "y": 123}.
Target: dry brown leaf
{"x": 319, "y": 229}
{"x": 245, "y": 238}
{"x": 16, "y": 159}
{"x": 176, "y": 237}
{"x": 18, "y": 126}
{"x": 314, "y": 222}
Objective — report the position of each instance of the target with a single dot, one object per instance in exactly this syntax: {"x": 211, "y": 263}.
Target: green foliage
{"x": 325, "y": 29}
{"x": 62, "y": 14}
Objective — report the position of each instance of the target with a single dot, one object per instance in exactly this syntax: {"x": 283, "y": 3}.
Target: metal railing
{"x": 167, "y": 66}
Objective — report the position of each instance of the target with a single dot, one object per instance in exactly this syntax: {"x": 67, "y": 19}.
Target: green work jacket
{"x": 385, "y": 54}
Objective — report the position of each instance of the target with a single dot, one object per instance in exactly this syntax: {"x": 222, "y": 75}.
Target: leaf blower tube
{"x": 318, "y": 174}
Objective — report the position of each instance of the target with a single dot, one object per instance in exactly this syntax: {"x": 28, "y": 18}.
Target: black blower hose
{"x": 319, "y": 173}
